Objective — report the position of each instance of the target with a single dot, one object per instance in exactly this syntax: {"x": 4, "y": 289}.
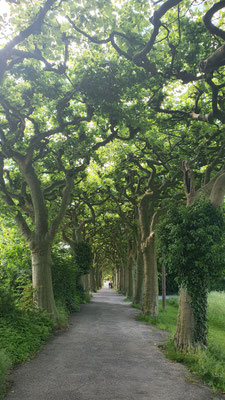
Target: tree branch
{"x": 65, "y": 201}
{"x": 33, "y": 28}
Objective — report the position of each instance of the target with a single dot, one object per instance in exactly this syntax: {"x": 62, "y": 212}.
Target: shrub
{"x": 65, "y": 279}
{"x": 83, "y": 257}
{"x": 7, "y": 302}
{"x": 23, "y": 333}
{"x": 5, "y": 364}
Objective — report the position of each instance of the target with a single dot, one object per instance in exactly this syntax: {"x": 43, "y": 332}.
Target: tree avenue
{"x": 109, "y": 113}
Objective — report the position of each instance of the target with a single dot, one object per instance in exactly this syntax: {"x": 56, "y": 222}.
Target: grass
{"x": 128, "y": 299}
{"x": 208, "y": 364}
{"x": 216, "y": 316}
{"x": 167, "y": 319}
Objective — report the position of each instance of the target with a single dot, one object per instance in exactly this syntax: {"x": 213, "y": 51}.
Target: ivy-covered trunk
{"x": 192, "y": 314}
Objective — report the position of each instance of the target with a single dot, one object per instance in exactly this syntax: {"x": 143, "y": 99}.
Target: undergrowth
{"x": 23, "y": 332}
{"x": 207, "y": 364}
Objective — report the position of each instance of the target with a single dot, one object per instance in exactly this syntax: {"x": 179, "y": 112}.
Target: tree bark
{"x": 146, "y": 223}
{"x": 151, "y": 292}
{"x": 183, "y": 338}
{"x": 85, "y": 282}
{"x": 121, "y": 280}
{"x": 139, "y": 278}
{"x": 129, "y": 291}
{"x": 42, "y": 279}
{"x": 163, "y": 287}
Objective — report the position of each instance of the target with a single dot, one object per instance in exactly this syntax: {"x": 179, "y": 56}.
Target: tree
{"x": 192, "y": 246}
{"x": 46, "y": 141}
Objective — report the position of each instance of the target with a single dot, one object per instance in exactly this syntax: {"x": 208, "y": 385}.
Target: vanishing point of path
{"x": 105, "y": 355}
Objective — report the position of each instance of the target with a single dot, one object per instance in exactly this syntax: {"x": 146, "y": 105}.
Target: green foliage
{"x": 23, "y": 332}
{"x": 15, "y": 271}
{"x": 83, "y": 257}
{"x": 191, "y": 245}
{"x": 171, "y": 283}
{"x": 5, "y": 364}
{"x": 173, "y": 301}
{"x": 65, "y": 277}
{"x": 7, "y": 302}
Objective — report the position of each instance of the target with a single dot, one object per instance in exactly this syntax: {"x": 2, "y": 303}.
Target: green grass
{"x": 216, "y": 316}
{"x": 137, "y": 306}
{"x": 208, "y": 364}
{"x": 167, "y": 319}
{"x": 128, "y": 299}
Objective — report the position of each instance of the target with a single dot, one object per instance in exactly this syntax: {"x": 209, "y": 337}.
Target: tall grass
{"x": 208, "y": 364}
{"x": 216, "y": 316}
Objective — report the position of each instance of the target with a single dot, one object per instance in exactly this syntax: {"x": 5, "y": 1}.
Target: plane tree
{"x": 49, "y": 131}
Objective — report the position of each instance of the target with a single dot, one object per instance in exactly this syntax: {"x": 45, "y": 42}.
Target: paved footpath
{"x": 105, "y": 355}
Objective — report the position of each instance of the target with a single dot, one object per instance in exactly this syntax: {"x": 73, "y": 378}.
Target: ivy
{"x": 191, "y": 245}
{"x": 83, "y": 256}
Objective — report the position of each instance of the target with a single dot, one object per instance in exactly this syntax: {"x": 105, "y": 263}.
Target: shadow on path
{"x": 105, "y": 355}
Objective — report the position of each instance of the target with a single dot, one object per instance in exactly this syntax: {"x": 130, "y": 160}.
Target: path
{"x": 105, "y": 355}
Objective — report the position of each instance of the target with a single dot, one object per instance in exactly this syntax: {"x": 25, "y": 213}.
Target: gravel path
{"x": 105, "y": 355}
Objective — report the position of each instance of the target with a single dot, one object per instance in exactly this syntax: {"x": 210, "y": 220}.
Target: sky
{"x": 3, "y": 7}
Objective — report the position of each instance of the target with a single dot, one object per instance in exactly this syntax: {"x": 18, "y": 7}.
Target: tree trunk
{"x": 139, "y": 278}
{"x": 121, "y": 279}
{"x": 150, "y": 303}
{"x": 125, "y": 279}
{"x": 147, "y": 220}
{"x": 163, "y": 287}
{"x": 42, "y": 279}
{"x": 85, "y": 282}
{"x": 92, "y": 279}
{"x": 117, "y": 281}
{"x": 184, "y": 336}
{"x": 129, "y": 291}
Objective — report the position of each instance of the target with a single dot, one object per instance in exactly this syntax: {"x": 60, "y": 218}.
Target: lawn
{"x": 208, "y": 364}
